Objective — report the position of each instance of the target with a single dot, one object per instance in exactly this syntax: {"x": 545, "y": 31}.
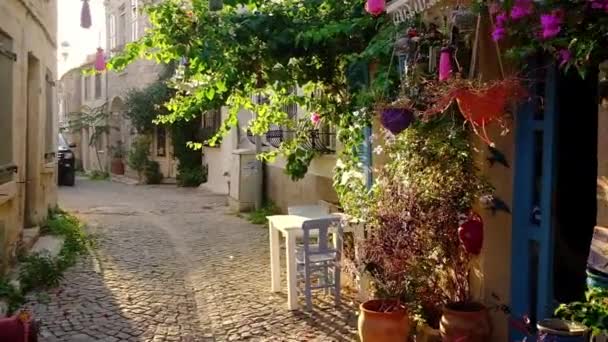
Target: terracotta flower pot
{"x": 465, "y": 321}
{"x": 117, "y": 167}
{"x": 376, "y": 325}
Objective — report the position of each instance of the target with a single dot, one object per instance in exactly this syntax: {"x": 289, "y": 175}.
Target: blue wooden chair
{"x": 320, "y": 259}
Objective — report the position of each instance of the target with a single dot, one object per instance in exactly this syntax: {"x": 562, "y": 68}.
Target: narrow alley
{"x": 173, "y": 264}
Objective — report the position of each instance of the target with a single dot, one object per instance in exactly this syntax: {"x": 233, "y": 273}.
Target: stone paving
{"x": 175, "y": 265}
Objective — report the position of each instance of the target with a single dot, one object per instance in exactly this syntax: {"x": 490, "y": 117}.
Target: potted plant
{"x": 118, "y": 153}
{"x": 413, "y": 252}
{"x": 591, "y": 316}
{"x": 465, "y": 321}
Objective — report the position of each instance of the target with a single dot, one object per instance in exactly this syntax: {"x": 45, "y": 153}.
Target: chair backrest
{"x": 321, "y": 226}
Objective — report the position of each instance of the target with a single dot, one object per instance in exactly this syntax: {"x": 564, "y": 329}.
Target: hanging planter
{"x": 85, "y": 15}
{"x": 479, "y": 104}
{"x": 100, "y": 60}
{"x": 396, "y": 119}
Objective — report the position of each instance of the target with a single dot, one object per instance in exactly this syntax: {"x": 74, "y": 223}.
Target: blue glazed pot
{"x": 597, "y": 279}
{"x": 558, "y": 330}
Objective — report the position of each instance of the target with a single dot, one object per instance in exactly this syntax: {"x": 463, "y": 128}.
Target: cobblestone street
{"x": 174, "y": 264}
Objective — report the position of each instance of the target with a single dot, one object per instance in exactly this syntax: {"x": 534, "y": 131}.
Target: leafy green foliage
{"x": 95, "y": 120}
{"x": 152, "y": 172}
{"x": 593, "y": 312}
{"x": 40, "y": 271}
{"x": 139, "y": 154}
{"x": 98, "y": 175}
{"x": 192, "y": 177}
{"x": 266, "y": 48}
{"x": 13, "y": 297}
{"x": 145, "y": 105}
{"x": 259, "y": 216}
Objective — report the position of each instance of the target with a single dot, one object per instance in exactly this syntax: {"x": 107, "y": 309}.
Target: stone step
{"x": 48, "y": 245}
{"x": 30, "y": 236}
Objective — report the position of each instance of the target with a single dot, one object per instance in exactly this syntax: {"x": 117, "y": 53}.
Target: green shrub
{"x": 98, "y": 175}
{"x": 152, "y": 173}
{"x": 138, "y": 155}
{"x": 40, "y": 271}
{"x": 259, "y": 216}
{"x": 14, "y": 298}
{"x": 191, "y": 176}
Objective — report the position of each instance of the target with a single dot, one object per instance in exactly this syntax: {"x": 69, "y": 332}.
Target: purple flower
{"x": 498, "y": 34}
{"x": 315, "y": 118}
{"x": 563, "y": 57}
{"x": 501, "y": 19}
{"x": 551, "y": 24}
{"x": 521, "y": 8}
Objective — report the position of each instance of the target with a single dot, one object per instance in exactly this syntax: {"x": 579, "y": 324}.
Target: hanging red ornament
{"x": 375, "y": 7}
{"x": 470, "y": 233}
{"x": 100, "y": 60}
{"x": 85, "y": 15}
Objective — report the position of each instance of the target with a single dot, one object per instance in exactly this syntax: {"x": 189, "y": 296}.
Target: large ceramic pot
{"x": 117, "y": 166}
{"x": 383, "y": 321}
{"x": 465, "y": 321}
{"x": 558, "y": 330}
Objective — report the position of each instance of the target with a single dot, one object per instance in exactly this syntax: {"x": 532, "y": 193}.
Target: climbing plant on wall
{"x": 266, "y": 48}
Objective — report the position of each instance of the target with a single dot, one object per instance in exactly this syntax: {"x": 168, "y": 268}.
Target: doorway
{"x": 576, "y": 182}
{"x": 33, "y": 152}
{"x": 554, "y": 208}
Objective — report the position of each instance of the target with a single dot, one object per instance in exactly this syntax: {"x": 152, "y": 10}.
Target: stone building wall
{"x": 28, "y": 29}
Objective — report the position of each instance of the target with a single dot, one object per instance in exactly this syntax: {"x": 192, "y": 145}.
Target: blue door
{"x": 534, "y": 184}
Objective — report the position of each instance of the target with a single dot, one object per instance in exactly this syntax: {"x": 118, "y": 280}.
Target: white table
{"x": 291, "y": 227}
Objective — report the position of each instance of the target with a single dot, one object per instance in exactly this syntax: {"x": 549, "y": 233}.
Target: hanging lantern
{"x": 375, "y": 7}
{"x": 445, "y": 64}
{"x": 100, "y": 60}
{"x": 85, "y": 15}
{"x": 470, "y": 233}
{"x": 396, "y": 120}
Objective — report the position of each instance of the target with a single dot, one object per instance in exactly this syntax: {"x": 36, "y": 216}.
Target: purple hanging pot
{"x": 396, "y": 120}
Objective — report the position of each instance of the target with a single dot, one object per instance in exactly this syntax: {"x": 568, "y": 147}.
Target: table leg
{"x": 275, "y": 263}
{"x": 292, "y": 281}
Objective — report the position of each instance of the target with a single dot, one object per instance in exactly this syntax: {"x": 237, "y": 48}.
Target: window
{"x": 97, "y": 86}
{"x": 112, "y": 26}
{"x": 7, "y": 60}
{"x": 122, "y": 26}
{"x": 134, "y": 20}
{"x": 87, "y": 87}
{"x": 211, "y": 124}
{"x": 49, "y": 141}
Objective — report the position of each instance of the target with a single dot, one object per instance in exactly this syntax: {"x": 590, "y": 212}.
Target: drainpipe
{"x": 259, "y": 167}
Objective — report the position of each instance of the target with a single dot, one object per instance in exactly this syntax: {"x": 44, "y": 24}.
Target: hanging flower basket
{"x": 479, "y": 104}
{"x": 396, "y": 118}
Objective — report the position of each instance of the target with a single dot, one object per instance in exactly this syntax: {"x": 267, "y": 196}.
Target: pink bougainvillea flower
{"x": 315, "y": 118}
{"x": 521, "y": 9}
{"x": 498, "y": 34}
{"x": 375, "y": 7}
{"x": 563, "y": 57}
{"x": 501, "y": 19}
{"x": 551, "y": 24}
